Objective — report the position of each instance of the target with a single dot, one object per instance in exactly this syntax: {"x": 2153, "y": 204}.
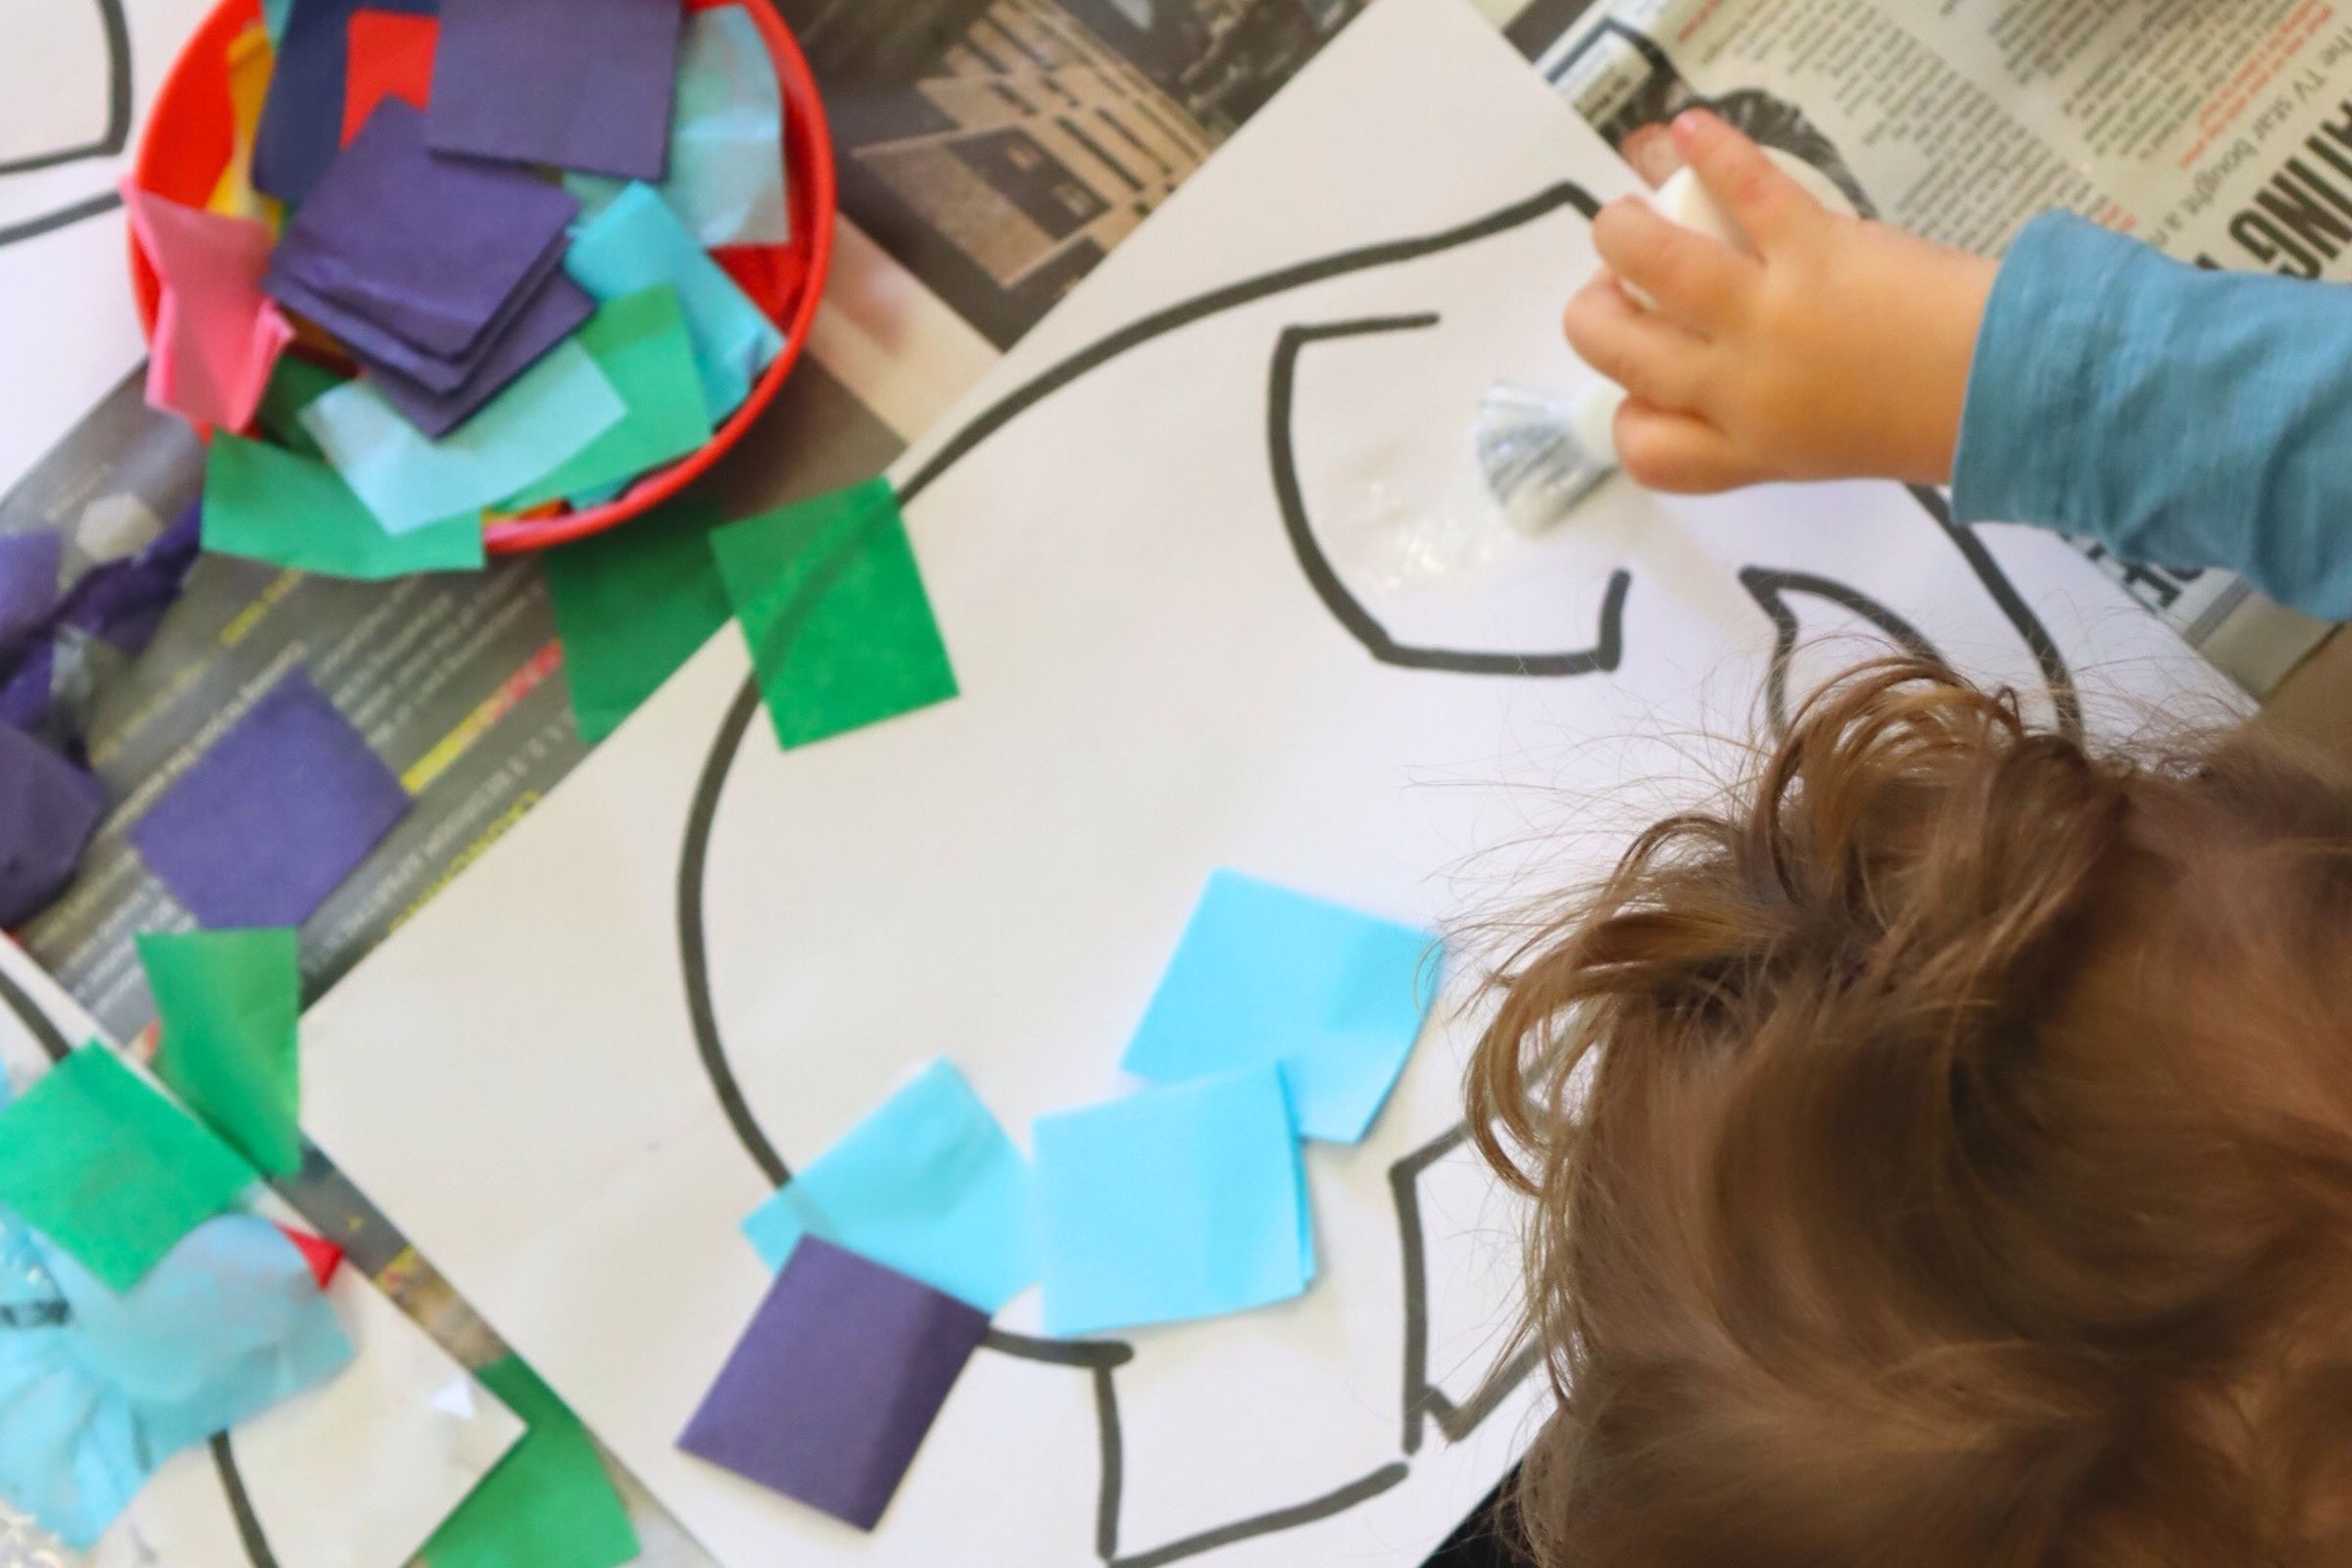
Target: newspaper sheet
{"x": 2217, "y": 131}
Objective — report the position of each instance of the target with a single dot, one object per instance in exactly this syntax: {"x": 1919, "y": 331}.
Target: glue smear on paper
{"x": 1524, "y": 468}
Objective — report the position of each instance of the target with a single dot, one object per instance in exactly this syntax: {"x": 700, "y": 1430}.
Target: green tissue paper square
{"x": 294, "y": 384}
{"x": 273, "y": 505}
{"x": 632, "y": 603}
{"x": 833, "y": 607}
{"x": 230, "y": 1002}
{"x": 110, "y": 1170}
{"x": 548, "y": 1503}
{"x": 639, "y": 341}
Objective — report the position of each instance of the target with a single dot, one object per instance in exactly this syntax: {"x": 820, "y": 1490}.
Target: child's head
{"x": 1942, "y": 1156}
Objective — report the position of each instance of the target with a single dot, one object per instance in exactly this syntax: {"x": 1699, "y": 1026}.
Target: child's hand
{"x": 1839, "y": 349}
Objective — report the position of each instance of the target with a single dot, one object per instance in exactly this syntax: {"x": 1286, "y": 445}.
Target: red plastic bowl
{"x": 187, "y": 142}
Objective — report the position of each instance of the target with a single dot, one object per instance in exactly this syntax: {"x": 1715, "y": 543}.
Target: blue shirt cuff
{"x": 2033, "y": 374}
{"x": 2188, "y": 418}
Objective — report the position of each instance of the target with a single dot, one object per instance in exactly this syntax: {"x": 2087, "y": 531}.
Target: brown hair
{"x": 1941, "y": 1154}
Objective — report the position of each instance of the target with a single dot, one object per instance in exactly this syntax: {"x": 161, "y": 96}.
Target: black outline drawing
{"x": 250, "y": 1533}
{"x": 240, "y": 1505}
{"x": 2064, "y": 699}
{"x": 1424, "y": 1401}
{"x": 1769, "y": 586}
{"x": 1423, "y": 1405}
{"x": 1608, "y": 645}
{"x": 117, "y": 29}
{"x": 63, "y": 218}
{"x": 50, "y": 1038}
{"x": 112, "y": 141}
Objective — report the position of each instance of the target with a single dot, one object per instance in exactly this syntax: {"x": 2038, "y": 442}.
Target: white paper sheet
{"x": 1159, "y": 678}
{"x": 75, "y": 79}
{"x": 354, "y": 1473}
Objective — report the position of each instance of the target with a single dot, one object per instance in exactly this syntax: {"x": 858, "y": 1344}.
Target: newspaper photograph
{"x": 999, "y": 148}
{"x": 2219, "y": 132}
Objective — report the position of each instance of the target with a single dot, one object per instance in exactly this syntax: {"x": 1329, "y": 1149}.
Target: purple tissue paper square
{"x": 430, "y": 249}
{"x": 583, "y": 84}
{"x": 123, "y": 602}
{"x": 554, "y": 312}
{"x": 442, "y": 373}
{"x": 302, "y": 114}
{"x": 275, "y": 817}
{"x": 52, "y": 659}
{"x": 836, "y": 1381}
{"x": 29, "y": 562}
{"x": 439, "y": 376}
{"x": 27, "y": 688}
{"x": 48, "y": 810}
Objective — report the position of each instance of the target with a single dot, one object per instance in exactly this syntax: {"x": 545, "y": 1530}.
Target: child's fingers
{"x": 1651, "y": 357}
{"x": 1677, "y": 453}
{"x": 1768, "y": 205}
{"x": 1693, "y": 278}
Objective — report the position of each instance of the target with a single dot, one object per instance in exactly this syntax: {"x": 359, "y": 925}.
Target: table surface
{"x": 2313, "y": 706}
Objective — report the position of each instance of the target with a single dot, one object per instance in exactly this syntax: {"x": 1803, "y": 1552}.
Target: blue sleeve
{"x": 2182, "y": 418}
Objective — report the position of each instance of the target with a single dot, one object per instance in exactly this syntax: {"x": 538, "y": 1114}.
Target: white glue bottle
{"x": 1684, "y": 200}
{"x": 1540, "y": 472}
{"x": 1681, "y": 200}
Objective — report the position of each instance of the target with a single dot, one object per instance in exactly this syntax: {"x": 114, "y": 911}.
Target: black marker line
{"x": 118, "y": 100}
{"x": 1404, "y": 1191}
{"x": 1096, "y": 1354}
{"x": 1437, "y": 1148}
{"x": 1248, "y": 290}
{"x": 2054, "y": 674}
{"x": 694, "y": 959}
{"x": 1424, "y": 1400}
{"x": 1768, "y": 586}
{"x": 119, "y": 95}
{"x": 1458, "y": 1421}
{"x": 1266, "y": 1524}
{"x": 1112, "y": 1465}
{"x": 63, "y": 218}
{"x": 28, "y": 1013}
{"x": 240, "y": 1505}
{"x": 1608, "y": 646}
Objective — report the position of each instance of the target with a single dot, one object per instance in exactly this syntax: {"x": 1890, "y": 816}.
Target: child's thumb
{"x": 1767, "y": 203}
